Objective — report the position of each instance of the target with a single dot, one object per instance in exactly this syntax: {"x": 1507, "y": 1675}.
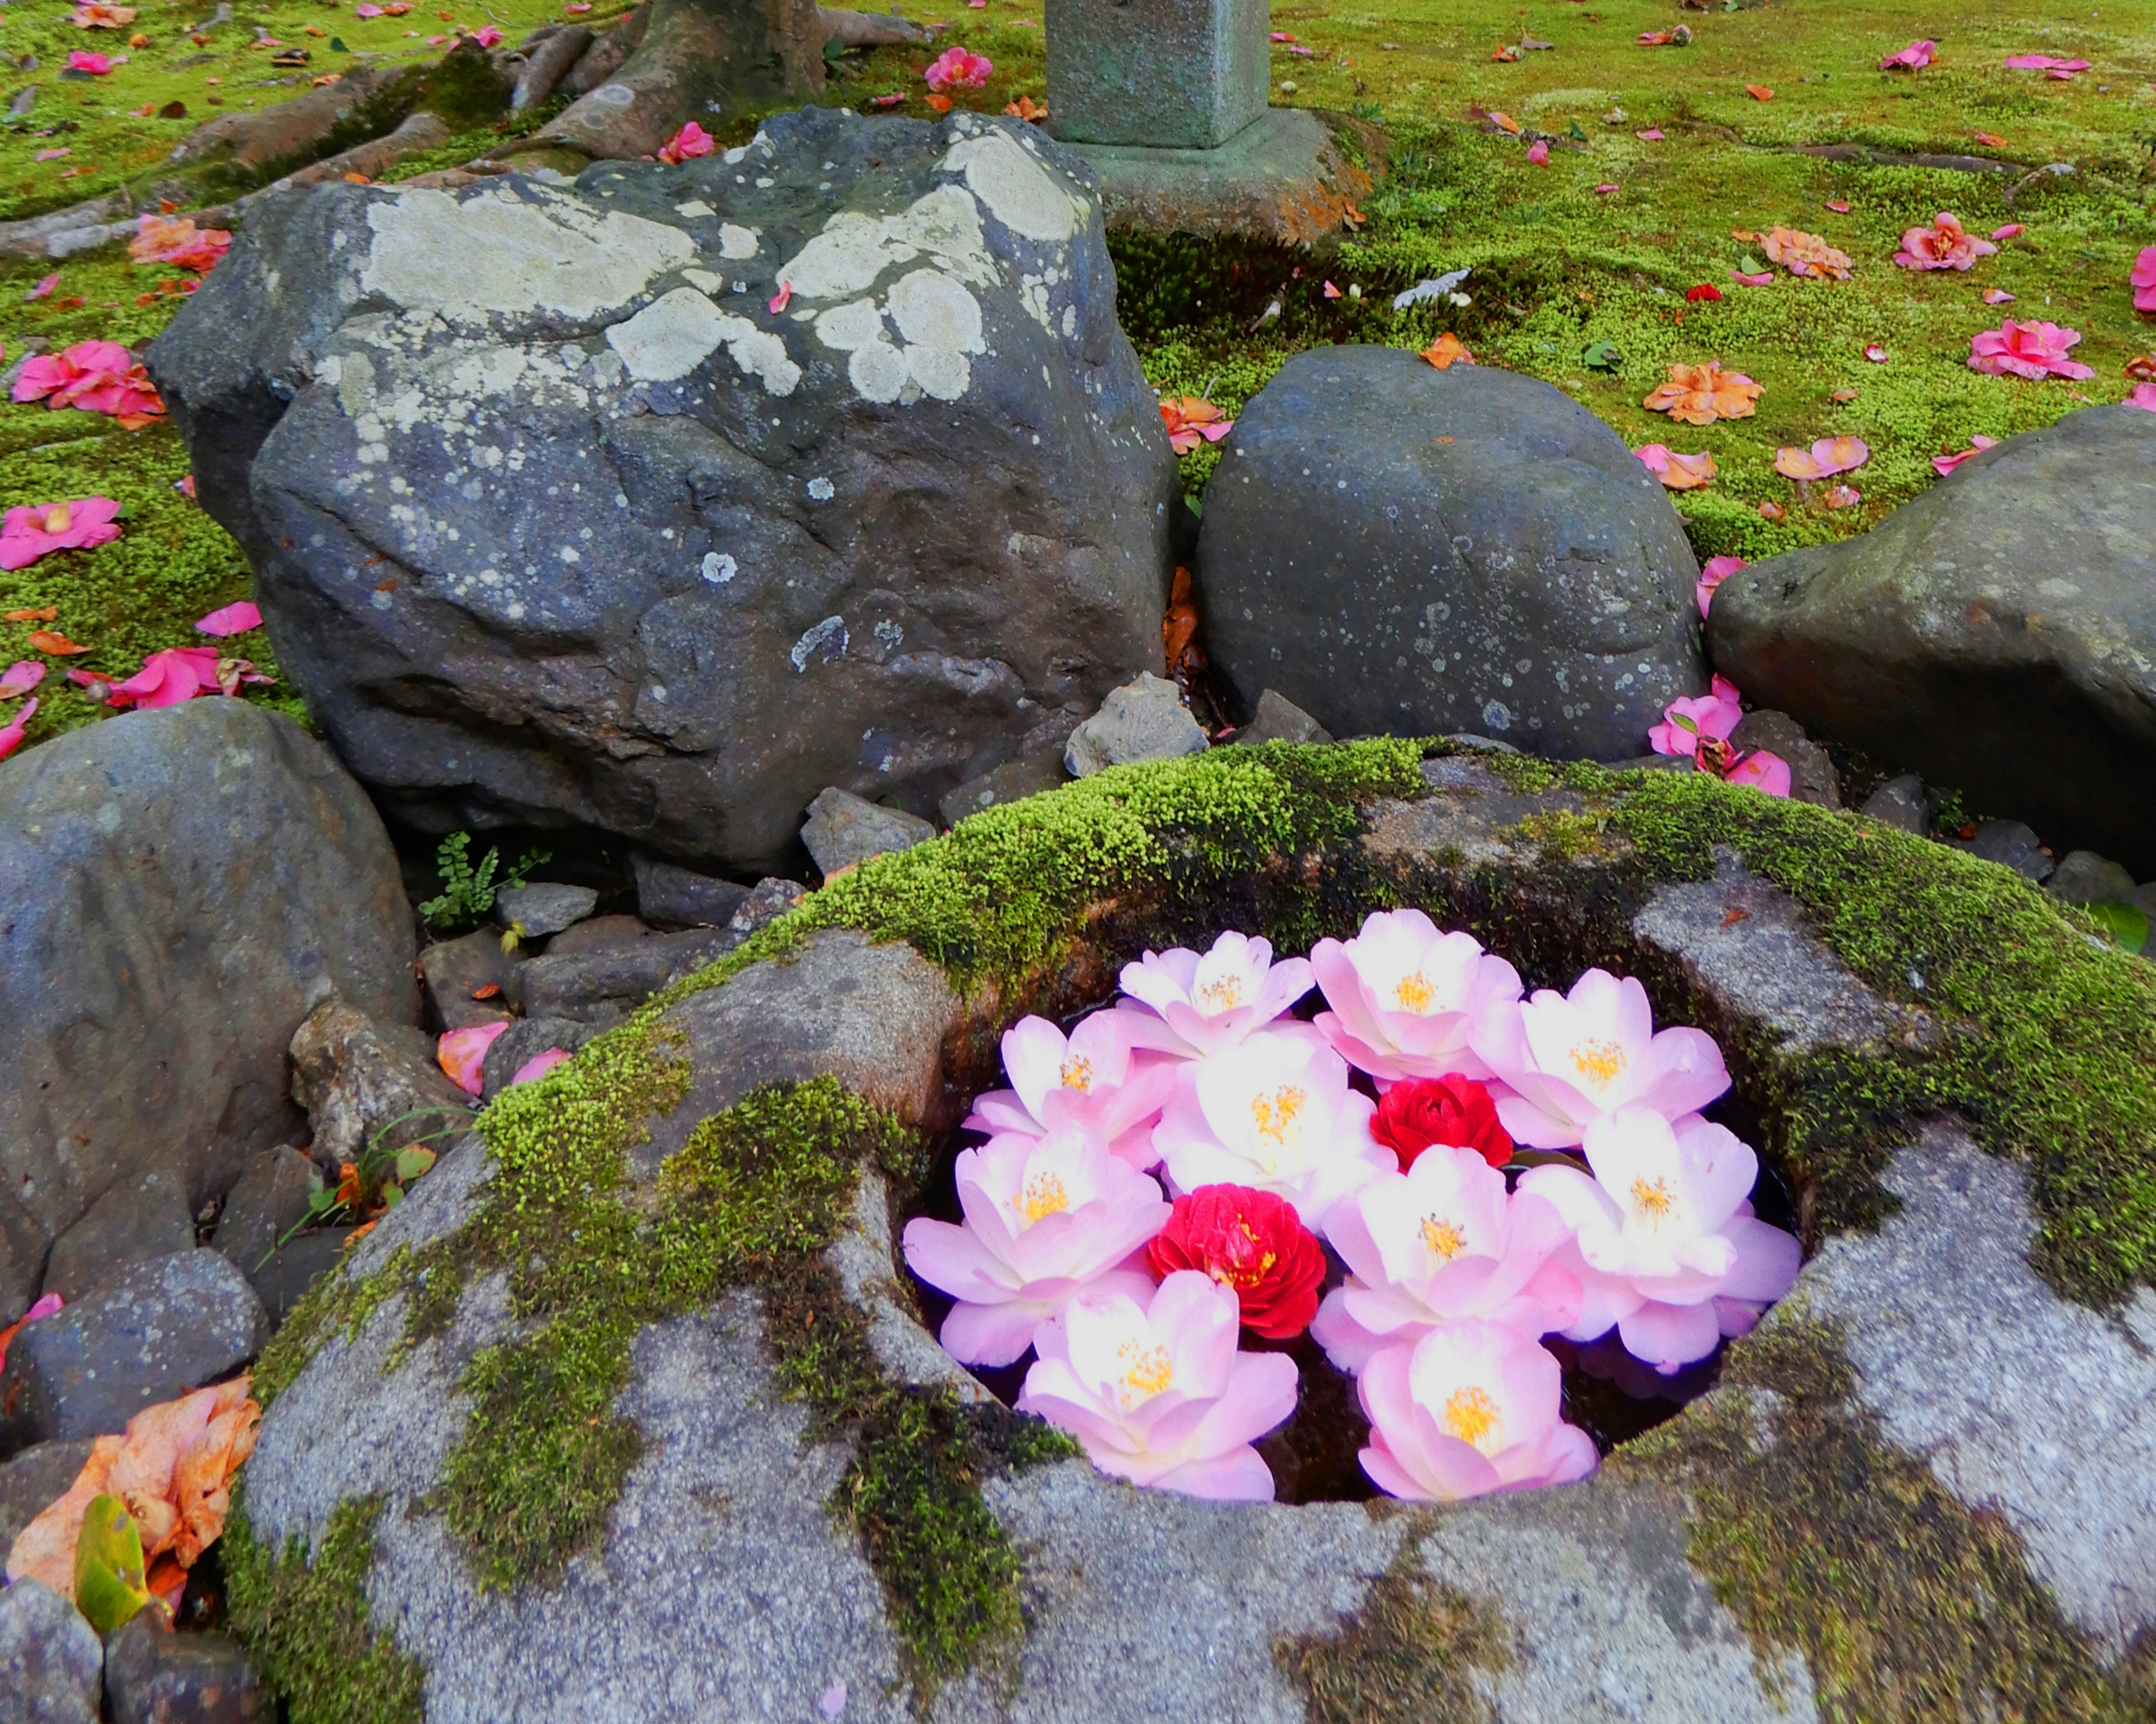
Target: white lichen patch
{"x": 939, "y": 322}
{"x": 545, "y": 251}
{"x": 678, "y": 331}
{"x": 854, "y": 251}
{"x": 736, "y": 241}
{"x": 1019, "y": 191}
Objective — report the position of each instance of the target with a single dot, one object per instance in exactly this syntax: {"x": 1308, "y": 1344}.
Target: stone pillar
{"x": 1167, "y": 74}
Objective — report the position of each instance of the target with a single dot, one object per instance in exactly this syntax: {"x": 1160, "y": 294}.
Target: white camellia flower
{"x": 1407, "y": 998}
{"x": 1090, "y": 1080}
{"x": 1189, "y": 1006}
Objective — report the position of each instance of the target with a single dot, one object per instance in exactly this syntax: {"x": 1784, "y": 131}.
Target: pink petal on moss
{"x": 20, "y": 678}
{"x": 231, "y": 619}
{"x": 537, "y": 1066}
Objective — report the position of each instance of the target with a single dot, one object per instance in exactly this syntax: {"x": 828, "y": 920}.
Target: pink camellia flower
{"x": 31, "y": 530}
{"x": 1690, "y": 719}
{"x": 1997, "y": 296}
{"x": 1762, "y": 771}
{"x": 1677, "y": 472}
{"x": 95, "y": 376}
{"x": 20, "y": 678}
{"x": 1946, "y": 244}
{"x": 1273, "y": 1112}
{"x": 2033, "y": 349}
{"x": 1089, "y": 1081}
{"x": 367, "y": 8}
{"x": 178, "y": 242}
{"x": 1914, "y": 57}
{"x": 1180, "y": 1004}
{"x": 13, "y": 732}
{"x": 1667, "y": 1246}
{"x": 231, "y": 619}
{"x": 1472, "y": 1408}
{"x": 959, "y": 69}
{"x": 82, "y": 60}
{"x": 1406, "y": 998}
{"x": 1539, "y": 153}
{"x": 1442, "y": 1242}
{"x": 1826, "y": 457}
{"x": 1944, "y": 464}
{"x": 487, "y": 36}
{"x": 168, "y": 678}
{"x": 1571, "y": 1059}
{"x": 1717, "y": 570}
{"x": 537, "y": 1066}
{"x": 692, "y": 141}
{"x": 2142, "y": 395}
{"x": 1156, "y": 1392}
{"x": 2142, "y": 280}
{"x": 462, "y": 1054}
{"x": 1047, "y": 1218}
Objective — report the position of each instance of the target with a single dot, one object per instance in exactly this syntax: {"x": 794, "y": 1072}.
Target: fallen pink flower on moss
{"x": 959, "y": 69}
{"x": 692, "y": 141}
{"x": 1763, "y": 278}
{"x": 2046, "y": 64}
{"x": 1844, "y": 496}
{"x": 231, "y": 619}
{"x": 1914, "y": 57}
{"x": 2033, "y": 349}
{"x": 1826, "y": 457}
{"x": 178, "y": 242}
{"x": 1690, "y": 718}
{"x": 82, "y": 60}
{"x": 1717, "y": 570}
{"x": 1946, "y": 244}
{"x": 462, "y": 1054}
{"x": 2011, "y": 230}
{"x": 32, "y": 530}
{"x": 487, "y": 36}
{"x": 538, "y": 1065}
{"x": 19, "y": 678}
{"x": 92, "y": 378}
{"x": 168, "y": 678}
{"x": 1539, "y": 153}
{"x": 1677, "y": 472}
{"x": 2142, "y": 395}
{"x": 13, "y": 732}
{"x": 1997, "y": 296}
{"x": 1944, "y": 464}
{"x": 2142, "y": 279}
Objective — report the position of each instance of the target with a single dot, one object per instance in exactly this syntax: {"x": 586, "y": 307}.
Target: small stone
{"x": 771, "y": 899}
{"x": 525, "y": 1040}
{"x": 294, "y": 1265}
{"x": 845, "y": 830}
{"x": 2011, "y": 844}
{"x": 159, "y": 1330}
{"x": 35, "y": 1478}
{"x": 2083, "y": 877}
{"x": 600, "y": 986}
{"x": 270, "y": 1201}
{"x": 154, "y": 1675}
{"x": 357, "y": 1076}
{"x": 1280, "y": 720}
{"x": 456, "y": 970}
{"x": 1490, "y": 745}
{"x": 131, "y": 1223}
{"x": 1145, "y": 720}
{"x": 51, "y": 1664}
{"x": 1030, "y": 774}
{"x": 602, "y": 933}
{"x": 543, "y": 908}
{"x": 1901, "y": 802}
{"x": 1812, "y": 775}
{"x": 665, "y": 893}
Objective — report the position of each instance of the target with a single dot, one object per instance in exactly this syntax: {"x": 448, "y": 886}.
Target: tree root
{"x": 254, "y": 141}
{"x": 869, "y": 29}
{"x": 546, "y": 62}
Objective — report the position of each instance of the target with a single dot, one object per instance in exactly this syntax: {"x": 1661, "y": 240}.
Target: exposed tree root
{"x": 254, "y": 141}
{"x": 547, "y": 61}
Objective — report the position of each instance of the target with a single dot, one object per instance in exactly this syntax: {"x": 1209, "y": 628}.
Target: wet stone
{"x": 270, "y": 1201}
{"x": 2083, "y": 877}
{"x": 154, "y": 1675}
{"x": 1144, "y": 720}
{"x": 2011, "y": 844}
{"x": 34, "y": 1479}
{"x": 50, "y": 1659}
{"x": 1901, "y": 802}
{"x": 456, "y": 970}
{"x": 1812, "y": 775}
{"x": 1278, "y": 719}
{"x": 543, "y": 908}
{"x": 680, "y": 897}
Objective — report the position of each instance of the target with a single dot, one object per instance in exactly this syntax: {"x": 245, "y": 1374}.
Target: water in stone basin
{"x": 1450, "y": 1239}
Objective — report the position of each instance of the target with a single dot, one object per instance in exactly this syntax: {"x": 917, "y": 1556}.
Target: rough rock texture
{"x": 1998, "y": 632}
{"x": 1901, "y": 802}
{"x": 2011, "y": 844}
{"x": 184, "y": 886}
{"x": 455, "y": 970}
{"x": 269, "y": 1202}
{"x": 1400, "y": 549}
{"x": 162, "y": 1328}
{"x": 1161, "y": 73}
{"x": 356, "y": 1078}
{"x": 768, "y": 899}
{"x": 667, "y": 893}
{"x": 524, "y": 1040}
{"x": 2083, "y": 877}
{"x": 130, "y": 1224}
{"x": 1144, "y": 720}
{"x": 1812, "y": 775}
{"x": 544, "y": 907}
{"x": 1278, "y": 719}
{"x": 153, "y": 1675}
{"x": 21, "y": 1256}
{"x": 593, "y": 534}
{"x": 293, "y": 1267}
{"x": 598, "y": 986}
{"x": 842, "y": 830}
{"x": 1014, "y": 780}
{"x": 34, "y": 1479}
{"x": 50, "y": 1658}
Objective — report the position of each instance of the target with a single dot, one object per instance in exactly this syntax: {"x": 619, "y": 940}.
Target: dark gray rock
{"x": 182, "y": 887}
{"x": 1399, "y": 550}
{"x": 1812, "y": 775}
{"x": 602, "y": 933}
{"x": 1029, "y": 775}
{"x": 843, "y": 831}
{"x": 455, "y": 970}
{"x": 1164, "y": 74}
{"x": 2010, "y": 844}
{"x": 526, "y": 1039}
{"x": 270, "y": 1201}
{"x": 682, "y": 898}
{"x": 544, "y": 907}
{"x": 663, "y": 562}
{"x": 770, "y": 899}
{"x": 1901, "y": 802}
{"x": 358, "y": 1078}
{"x": 21, "y": 1256}
{"x": 599, "y": 986}
{"x": 1278, "y": 719}
{"x": 1143, "y": 720}
{"x": 51, "y": 1663}
{"x": 294, "y": 1265}
{"x": 153, "y": 1675}
{"x": 129, "y": 1225}
{"x": 34, "y": 1480}
{"x": 2083, "y": 877}
{"x": 159, "y": 1329}
{"x": 1998, "y": 632}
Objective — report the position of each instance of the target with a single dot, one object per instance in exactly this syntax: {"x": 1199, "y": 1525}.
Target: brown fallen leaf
{"x": 44, "y": 640}
{"x": 486, "y": 990}
{"x": 1446, "y": 350}
{"x": 44, "y": 614}
{"x": 1735, "y": 915}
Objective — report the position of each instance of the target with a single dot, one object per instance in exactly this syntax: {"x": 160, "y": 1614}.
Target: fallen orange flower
{"x": 44, "y": 640}
{"x": 1026, "y": 109}
{"x": 1178, "y": 628}
{"x": 1503, "y": 121}
{"x": 1803, "y": 253}
{"x": 1191, "y": 420}
{"x": 1447, "y": 349}
{"x": 1759, "y": 92}
{"x": 1700, "y": 394}
{"x": 1677, "y": 472}
{"x": 42, "y": 614}
{"x": 1825, "y": 457}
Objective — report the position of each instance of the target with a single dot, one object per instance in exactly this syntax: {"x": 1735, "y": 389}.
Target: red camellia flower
{"x": 1453, "y": 1111}
{"x": 1705, "y": 291}
{"x": 1252, "y": 1241}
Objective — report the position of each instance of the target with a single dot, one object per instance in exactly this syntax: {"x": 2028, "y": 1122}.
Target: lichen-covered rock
{"x": 1143, "y": 720}
{"x": 820, "y": 461}
{"x": 50, "y": 1661}
{"x": 358, "y": 1077}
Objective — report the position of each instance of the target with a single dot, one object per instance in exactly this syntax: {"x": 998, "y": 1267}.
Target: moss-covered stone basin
{"x": 628, "y": 1414}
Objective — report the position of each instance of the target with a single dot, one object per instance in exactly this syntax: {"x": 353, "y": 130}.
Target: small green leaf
{"x": 337, "y": 45}
{"x": 392, "y": 1194}
{"x": 1602, "y": 356}
{"x": 413, "y": 1160}
{"x": 320, "y": 1198}
{"x": 2128, "y": 927}
{"x": 108, "y": 1566}
{"x": 1751, "y": 265}
{"x": 1576, "y": 133}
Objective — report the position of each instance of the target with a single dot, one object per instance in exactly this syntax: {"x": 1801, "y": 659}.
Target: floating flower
{"x": 1251, "y": 1241}
{"x": 462, "y": 1054}
{"x": 1700, "y": 394}
{"x": 1454, "y": 1112}
{"x": 1089, "y": 1081}
{"x": 1047, "y": 1218}
{"x": 1572, "y": 1057}
{"x": 179, "y": 243}
{"x": 92, "y": 376}
{"x": 1471, "y": 1409}
{"x": 1156, "y": 1392}
{"x": 2033, "y": 349}
{"x": 97, "y": 65}
{"x": 1446, "y": 351}
{"x": 1690, "y": 717}
{"x": 32, "y": 530}
{"x": 1191, "y": 421}
{"x": 1669, "y": 1251}
{"x": 1914, "y": 57}
{"x": 19, "y": 678}
{"x": 1406, "y": 998}
{"x": 1717, "y": 570}
{"x": 1944, "y": 464}
{"x": 1179, "y": 1003}
{"x": 1273, "y": 1112}
{"x": 537, "y": 1066}
{"x": 1678, "y": 472}
{"x": 1946, "y": 244}
{"x": 2142, "y": 280}
{"x": 13, "y": 732}
{"x": 231, "y": 619}
{"x": 1803, "y": 253}
{"x": 1443, "y": 1243}
{"x": 1826, "y": 457}
{"x": 959, "y": 69}
{"x": 685, "y": 145}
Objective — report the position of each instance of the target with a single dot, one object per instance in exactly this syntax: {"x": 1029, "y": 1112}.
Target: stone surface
{"x": 696, "y": 618}
{"x": 153, "y": 1675}
{"x": 1278, "y": 719}
{"x": 51, "y": 1663}
{"x": 295, "y": 1267}
{"x": 1998, "y": 632}
{"x": 1144, "y": 720}
{"x": 2083, "y": 877}
{"x": 544, "y": 907}
{"x": 34, "y": 1479}
{"x": 1014, "y": 780}
{"x": 843, "y": 831}
{"x": 599, "y": 986}
{"x": 767, "y": 900}
{"x": 270, "y": 1201}
{"x": 1177, "y": 75}
{"x": 130, "y": 1224}
{"x": 23, "y": 1247}
{"x": 455, "y": 970}
{"x": 2010, "y": 844}
{"x": 525, "y": 1040}
{"x": 601, "y": 934}
{"x": 1901, "y": 802}
{"x": 357, "y": 1078}
{"x": 1525, "y": 579}
{"x": 1812, "y": 775}
{"x": 667, "y": 893}
{"x": 183, "y": 885}
{"x": 159, "y": 1329}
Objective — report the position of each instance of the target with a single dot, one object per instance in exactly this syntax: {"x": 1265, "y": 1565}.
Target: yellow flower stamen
{"x": 1413, "y": 993}
{"x": 1041, "y": 1195}
{"x": 1276, "y": 1114}
{"x": 58, "y": 519}
{"x": 1651, "y": 1203}
{"x": 1148, "y": 1370}
{"x": 1443, "y": 1238}
{"x": 1223, "y": 995}
{"x": 1469, "y": 1414}
{"x": 1599, "y": 1061}
{"x": 1078, "y": 1073}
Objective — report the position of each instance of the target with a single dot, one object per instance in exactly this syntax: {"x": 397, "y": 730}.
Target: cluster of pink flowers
{"x": 95, "y": 377}
{"x": 1701, "y": 725}
{"x": 959, "y": 69}
{"x": 1162, "y": 1177}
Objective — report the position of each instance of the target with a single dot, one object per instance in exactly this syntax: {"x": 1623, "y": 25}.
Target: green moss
{"x": 307, "y": 1622}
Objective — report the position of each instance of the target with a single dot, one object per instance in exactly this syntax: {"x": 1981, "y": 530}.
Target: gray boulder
{"x": 668, "y": 893}
{"x": 2010, "y": 844}
{"x": 1901, "y": 802}
{"x": 1144, "y": 720}
{"x": 130, "y": 1224}
{"x": 2083, "y": 877}
{"x": 1014, "y": 780}
{"x": 592, "y": 534}
{"x": 596, "y": 987}
{"x": 842, "y": 830}
{"x": 1998, "y": 632}
{"x": 545, "y": 907}
{"x": 184, "y": 886}
{"x": 51, "y": 1663}
{"x": 768, "y": 899}
{"x": 1399, "y": 550}
{"x": 1278, "y": 719}
{"x": 153, "y": 1675}
{"x": 358, "y": 1078}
